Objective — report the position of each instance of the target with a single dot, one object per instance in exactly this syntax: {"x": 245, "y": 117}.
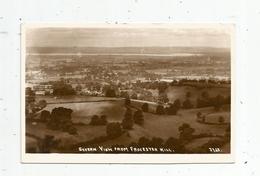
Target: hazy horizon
{"x": 128, "y": 37}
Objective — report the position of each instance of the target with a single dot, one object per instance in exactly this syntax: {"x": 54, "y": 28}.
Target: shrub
{"x": 95, "y": 120}
{"x": 145, "y": 107}
{"x": 138, "y": 117}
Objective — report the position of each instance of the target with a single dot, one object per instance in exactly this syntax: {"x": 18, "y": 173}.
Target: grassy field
{"x": 163, "y": 126}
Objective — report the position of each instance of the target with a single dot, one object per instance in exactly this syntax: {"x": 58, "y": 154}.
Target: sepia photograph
{"x": 155, "y": 89}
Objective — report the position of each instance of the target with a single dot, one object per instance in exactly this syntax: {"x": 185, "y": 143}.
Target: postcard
{"x": 127, "y": 93}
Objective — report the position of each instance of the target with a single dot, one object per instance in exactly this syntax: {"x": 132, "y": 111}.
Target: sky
{"x": 128, "y": 37}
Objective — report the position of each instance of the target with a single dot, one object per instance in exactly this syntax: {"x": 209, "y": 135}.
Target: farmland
{"x": 162, "y": 126}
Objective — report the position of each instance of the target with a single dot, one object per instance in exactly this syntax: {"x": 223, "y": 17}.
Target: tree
{"x": 163, "y": 98}
{"x": 63, "y": 89}
{"x": 162, "y": 87}
{"x": 218, "y": 101}
{"x": 145, "y": 107}
{"x": 156, "y": 142}
{"x": 78, "y": 87}
{"x": 187, "y": 104}
{"x": 127, "y": 102}
{"x": 42, "y": 104}
{"x": 200, "y": 117}
{"x": 103, "y": 119}
{"x": 94, "y": 120}
{"x": 110, "y": 92}
{"x": 144, "y": 142}
{"x": 205, "y": 95}
{"x": 138, "y": 117}
{"x": 113, "y": 130}
{"x": 124, "y": 94}
{"x": 175, "y": 144}
{"x": 172, "y": 110}
{"x": 134, "y": 96}
{"x": 29, "y": 95}
{"x": 186, "y": 132}
{"x": 160, "y": 110}
{"x": 61, "y": 114}
{"x": 45, "y": 116}
{"x": 221, "y": 119}
{"x": 188, "y": 95}
{"x": 177, "y": 103}
{"x": 128, "y": 121}
{"x": 61, "y": 120}
{"x": 47, "y": 143}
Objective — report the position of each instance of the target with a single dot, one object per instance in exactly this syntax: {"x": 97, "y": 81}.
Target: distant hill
{"x": 128, "y": 50}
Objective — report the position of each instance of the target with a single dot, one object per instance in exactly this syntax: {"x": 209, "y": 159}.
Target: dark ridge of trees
{"x": 128, "y": 121}
{"x": 145, "y": 107}
{"x": 217, "y": 102}
{"x": 138, "y": 117}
